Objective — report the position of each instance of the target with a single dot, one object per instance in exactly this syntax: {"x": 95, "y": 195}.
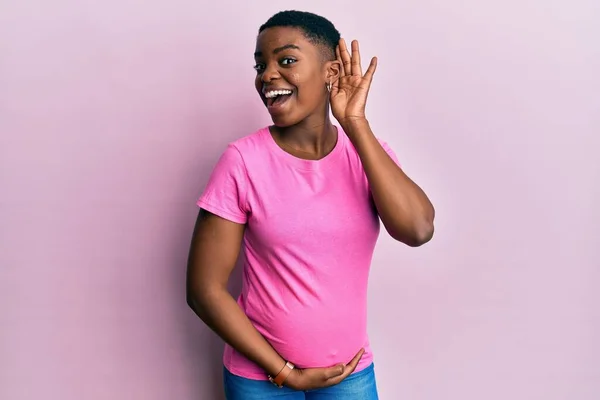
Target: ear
{"x": 333, "y": 70}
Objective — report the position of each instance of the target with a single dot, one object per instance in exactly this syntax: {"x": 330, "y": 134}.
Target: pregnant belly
{"x": 314, "y": 337}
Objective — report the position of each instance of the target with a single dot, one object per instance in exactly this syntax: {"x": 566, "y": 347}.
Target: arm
{"x": 214, "y": 251}
{"x": 403, "y": 207}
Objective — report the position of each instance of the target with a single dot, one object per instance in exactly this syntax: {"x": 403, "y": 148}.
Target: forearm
{"x": 403, "y": 207}
{"x": 222, "y": 314}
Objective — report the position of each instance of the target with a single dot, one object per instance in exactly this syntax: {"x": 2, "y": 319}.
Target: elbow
{"x": 422, "y": 234}
{"x": 196, "y": 299}
{"x": 191, "y": 299}
{"x": 423, "y": 229}
{"x": 418, "y": 236}
{"x": 202, "y": 298}
{"x": 198, "y": 304}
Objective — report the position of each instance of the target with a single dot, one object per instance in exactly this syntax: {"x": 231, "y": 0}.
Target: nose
{"x": 270, "y": 73}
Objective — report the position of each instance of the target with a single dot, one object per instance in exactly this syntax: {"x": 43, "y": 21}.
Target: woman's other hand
{"x": 315, "y": 378}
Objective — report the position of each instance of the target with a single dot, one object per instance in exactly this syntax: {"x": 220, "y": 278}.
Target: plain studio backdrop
{"x": 113, "y": 113}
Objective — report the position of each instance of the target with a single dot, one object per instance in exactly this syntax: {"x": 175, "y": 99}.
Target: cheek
{"x": 295, "y": 79}
{"x": 258, "y": 83}
{"x": 303, "y": 77}
{"x": 308, "y": 85}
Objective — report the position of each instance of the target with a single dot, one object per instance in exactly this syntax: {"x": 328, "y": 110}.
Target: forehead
{"x": 276, "y": 37}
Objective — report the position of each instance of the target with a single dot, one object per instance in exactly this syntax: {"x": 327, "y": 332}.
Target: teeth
{"x": 275, "y": 93}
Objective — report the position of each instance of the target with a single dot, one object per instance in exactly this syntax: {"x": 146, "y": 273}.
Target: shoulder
{"x": 251, "y": 144}
{"x": 243, "y": 150}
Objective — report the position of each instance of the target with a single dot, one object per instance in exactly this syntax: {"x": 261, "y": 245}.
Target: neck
{"x": 312, "y": 136}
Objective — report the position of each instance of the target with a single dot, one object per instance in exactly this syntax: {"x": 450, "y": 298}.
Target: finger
{"x": 371, "y": 71}
{"x": 335, "y": 88}
{"x": 333, "y": 372}
{"x": 356, "y": 68}
{"x": 345, "y": 55}
{"x": 354, "y": 362}
{"x": 348, "y": 369}
{"x": 339, "y": 58}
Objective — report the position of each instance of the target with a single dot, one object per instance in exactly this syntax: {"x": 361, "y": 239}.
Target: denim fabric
{"x": 358, "y": 386}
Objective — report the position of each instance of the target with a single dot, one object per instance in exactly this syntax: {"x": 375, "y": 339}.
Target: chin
{"x": 284, "y": 121}
{"x": 280, "y": 124}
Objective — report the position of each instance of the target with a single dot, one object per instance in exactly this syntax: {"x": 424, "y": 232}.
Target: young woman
{"x": 302, "y": 200}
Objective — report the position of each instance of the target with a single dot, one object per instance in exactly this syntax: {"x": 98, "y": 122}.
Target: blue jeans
{"x": 358, "y": 386}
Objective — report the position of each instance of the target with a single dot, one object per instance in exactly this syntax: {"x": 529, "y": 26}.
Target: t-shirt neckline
{"x": 302, "y": 163}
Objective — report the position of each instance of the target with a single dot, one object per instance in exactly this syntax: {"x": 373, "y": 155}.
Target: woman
{"x": 302, "y": 200}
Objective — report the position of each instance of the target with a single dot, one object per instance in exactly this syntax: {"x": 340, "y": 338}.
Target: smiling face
{"x": 291, "y": 76}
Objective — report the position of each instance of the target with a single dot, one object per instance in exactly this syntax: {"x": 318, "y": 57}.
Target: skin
{"x": 286, "y": 59}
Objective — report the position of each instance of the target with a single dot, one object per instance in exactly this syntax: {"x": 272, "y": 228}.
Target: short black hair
{"x": 318, "y": 30}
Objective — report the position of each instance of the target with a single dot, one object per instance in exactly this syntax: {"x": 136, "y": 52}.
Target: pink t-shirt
{"x": 309, "y": 240}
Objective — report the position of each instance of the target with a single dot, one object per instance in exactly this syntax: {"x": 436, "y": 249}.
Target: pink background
{"x": 113, "y": 113}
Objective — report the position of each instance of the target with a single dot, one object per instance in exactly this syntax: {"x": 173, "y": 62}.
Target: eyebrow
{"x": 278, "y": 49}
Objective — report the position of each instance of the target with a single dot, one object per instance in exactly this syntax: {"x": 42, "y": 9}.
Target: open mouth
{"x": 276, "y": 98}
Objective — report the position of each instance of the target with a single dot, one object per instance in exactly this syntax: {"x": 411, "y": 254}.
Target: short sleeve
{"x": 390, "y": 152}
{"x": 225, "y": 193}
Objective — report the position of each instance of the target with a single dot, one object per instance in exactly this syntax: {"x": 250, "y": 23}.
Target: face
{"x": 291, "y": 76}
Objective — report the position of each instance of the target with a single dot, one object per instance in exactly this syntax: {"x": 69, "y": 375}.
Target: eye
{"x": 259, "y": 67}
{"x": 288, "y": 61}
